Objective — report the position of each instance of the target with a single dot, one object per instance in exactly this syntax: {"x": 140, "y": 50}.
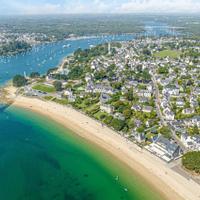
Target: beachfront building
{"x": 165, "y": 149}
{"x": 107, "y": 108}
{"x": 139, "y": 137}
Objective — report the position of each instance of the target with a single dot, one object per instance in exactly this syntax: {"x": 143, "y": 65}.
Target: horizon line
{"x": 105, "y": 13}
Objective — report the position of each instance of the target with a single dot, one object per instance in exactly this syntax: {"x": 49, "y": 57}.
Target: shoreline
{"x": 171, "y": 185}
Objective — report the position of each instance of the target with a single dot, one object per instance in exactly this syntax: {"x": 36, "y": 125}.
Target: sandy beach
{"x": 169, "y": 183}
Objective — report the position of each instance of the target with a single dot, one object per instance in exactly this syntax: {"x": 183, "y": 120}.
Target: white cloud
{"x": 100, "y": 6}
{"x": 41, "y": 9}
{"x": 171, "y": 6}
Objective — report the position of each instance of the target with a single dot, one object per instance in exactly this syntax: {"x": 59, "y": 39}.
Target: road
{"x": 160, "y": 115}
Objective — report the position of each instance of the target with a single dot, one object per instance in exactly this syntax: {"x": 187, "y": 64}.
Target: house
{"x": 139, "y": 137}
{"x": 147, "y": 109}
{"x": 193, "y": 102}
{"x": 63, "y": 71}
{"x": 119, "y": 116}
{"x": 136, "y": 107}
{"x": 150, "y": 88}
{"x": 169, "y": 115}
{"x": 137, "y": 123}
{"x": 188, "y": 111}
{"x": 67, "y": 92}
{"x": 144, "y": 93}
{"x": 99, "y": 88}
{"x": 171, "y": 91}
{"x": 143, "y": 100}
{"x": 191, "y": 142}
{"x": 180, "y": 103}
{"x": 196, "y": 91}
{"x": 164, "y": 103}
{"x": 165, "y": 149}
{"x": 71, "y": 98}
{"x": 104, "y": 98}
{"x": 122, "y": 98}
{"x": 165, "y": 82}
{"x": 89, "y": 89}
{"x": 88, "y": 78}
{"x": 196, "y": 121}
{"x": 107, "y": 108}
{"x": 28, "y": 91}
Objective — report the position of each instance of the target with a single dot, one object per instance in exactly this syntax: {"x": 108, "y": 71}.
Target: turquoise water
{"x": 40, "y": 160}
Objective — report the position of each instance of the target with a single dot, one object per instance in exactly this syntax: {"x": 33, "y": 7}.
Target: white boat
{"x": 67, "y": 46}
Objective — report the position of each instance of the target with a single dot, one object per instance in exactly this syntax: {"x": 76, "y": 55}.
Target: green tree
{"x": 34, "y": 74}
{"x": 163, "y": 70}
{"x": 51, "y": 70}
{"x": 127, "y": 113}
{"x": 19, "y": 81}
{"x": 141, "y": 129}
{"x": 191, "y": 161}
{"x": 165, "y": 131}
{"x": 129, "y": 95}
{"x": 117, "y": 124}
{"x": 57, "y": 85}
{"x": 194, "y": 130}
{"x": 108, "y": 120}
{"x": 75, "y": 73}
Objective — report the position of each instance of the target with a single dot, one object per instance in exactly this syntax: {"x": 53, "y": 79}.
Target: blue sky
{"x": 98, "y": 6}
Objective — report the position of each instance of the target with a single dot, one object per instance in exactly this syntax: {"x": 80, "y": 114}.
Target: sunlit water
{"x": 41, "y": 160}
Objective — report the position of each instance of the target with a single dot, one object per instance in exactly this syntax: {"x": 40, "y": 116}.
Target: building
{"x": 139, "y": 137}
{"x": 107, "y": 108}
{"x": 136, "y": 108}
{"x": 119, "y": 116}
{"x": 144, "y": 93}
{"x": 165, "y": 149}
{"x": 180, "y": 103}
{"x": 188, "y": 111}
{"x": 169, "y": 115}
{"x": 191, "y": 142}
{"x": 147, "y": 109}
{"x": 104, "y": 98}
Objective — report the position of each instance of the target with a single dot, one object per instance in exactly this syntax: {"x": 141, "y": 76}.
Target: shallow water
{"x": 39, "y": 159}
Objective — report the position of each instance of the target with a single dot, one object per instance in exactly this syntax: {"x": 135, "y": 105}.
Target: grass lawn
{"x": 82, "y": 105}
{"x": 49, "y": 98}
{"x": 92, "y": 107}
{"x": 100, "y": 115}
{"x": 44, "y": 88}
{"x": 61, "y": 101}
{"x": 168, "y": 53}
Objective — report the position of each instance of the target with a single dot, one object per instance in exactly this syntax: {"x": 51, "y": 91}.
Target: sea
{"x": 41, "y": 160}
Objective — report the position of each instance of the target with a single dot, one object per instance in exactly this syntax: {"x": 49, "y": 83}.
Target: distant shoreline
{"x": 170, "y": 184}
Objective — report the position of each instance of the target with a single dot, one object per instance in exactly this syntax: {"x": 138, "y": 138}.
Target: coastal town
{"x": 100, "y": 100}
{"x": 148, "y": 90}
{"x": 12, "y": 43}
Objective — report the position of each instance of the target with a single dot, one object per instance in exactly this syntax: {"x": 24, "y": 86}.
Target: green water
{"x": 40, "y": 160}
